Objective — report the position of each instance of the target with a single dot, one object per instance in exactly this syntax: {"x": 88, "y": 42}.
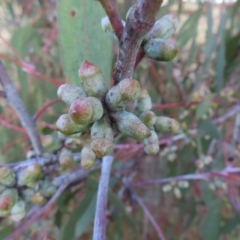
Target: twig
{"x": 141, "y": 18}
{"x": 18, "y": 106}
{"x": 99, "y": 232}
{"x": 149, "y": 216}
{"x": 110, "y": 9}
{"x": 36, "y": 214}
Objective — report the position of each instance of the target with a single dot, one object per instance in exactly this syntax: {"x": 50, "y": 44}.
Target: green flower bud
{"x": 7, "y": 200}
{"x": 92, "y": 80}
{"x": 161, "y": 50}
{"x": 73, "y": 143}
{"x": 107, "y": 27}
{"x": 69, "y": 93}
{"x": 130, "y": 125}
{"x": 65, "y": 158}
{"x": 27, "y": 194}
{"x": 47, "y": 141}
{"x": 18, "y": 211}
{"x": 47, "y": 189}
{"x": 148, "y": 118}
{"x": 66, "y": 126}
{"x": 29, "y": 175}
{"x": 144, "y": 101}
{"x": 86, "y": 110}
{"x": 164, "y": 27}
{"x": 7, "y": 176}
{"x": 167, "y": 125}
{"x": 101, "y": 138}
{"x": 88, "y": 157}
{"x": 37, "y": 198}
{"x": 123, "y": 93}
{"x": 151, "y": 144}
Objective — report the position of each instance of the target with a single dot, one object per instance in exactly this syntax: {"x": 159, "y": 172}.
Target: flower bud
{"x": 107, "y": 27}
{"x": 7, "y": 176}
{"x": 7, "y": 200}
{"x": 92, "y": 80}
{"x": 86, "y": 110}
{"x": 47, "y": 141}
{"x": 66, "y": 126}
{"x": 88, "y": 157}
{"x": 151, "y": 144}
{"x": 161, "y": 50}
{"x": 124, "y": 92}
{"x": 37, "y": 198}
{"x": 65, "y": 158}
{"x": 18, "y": 211}
{"x": 69, "y": 93}
{"x": 29, "y": 175}
{"x": 101, "y": 138}
{"x": 47, "y": 189}
{"x": 148, "y": 118}
{"x": 130, "y": 125}
{"x": 144, "y": 101}
{"x": 73, "y": 143}
{"x": 167, "y": 125}
{"x": 164, "y": 27}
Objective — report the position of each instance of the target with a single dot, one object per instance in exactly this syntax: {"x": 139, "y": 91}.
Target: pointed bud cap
{"x": 101, "y": 138}
{"x": 65, "y": 159}
{"x": 88, "y": 157}
{"x": 18, "y": 211}
{"x": 144, "y": 101}
{"x": 151, "y": 144}
{"x": 29, "y": 175}
{"x": 161, "y": 50}
{"x": 130, "y": 125}
{"x": 86, "y": 110}
{"x": 164, "y": 27}
{"x": 167, "y": 125}
{"x": 66, "y": 126}
{"x": 92, "y": 80}
{"x": 107, "y": 27}
{"x": 7, "y": 176}
{"x": 123, "y": 93}
{"x": 69, "y": 93}
{"x": 148, "y": 118}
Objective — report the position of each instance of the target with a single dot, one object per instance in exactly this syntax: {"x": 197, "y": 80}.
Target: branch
{"x": 99, "y": 232}
{"x": 16, "y": 103}
{"x": 141, "y": 18}
{"x": 113, "y": 16}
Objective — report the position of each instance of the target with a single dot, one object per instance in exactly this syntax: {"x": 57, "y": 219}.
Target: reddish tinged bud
{"x": 101, "y": 138}
{"x": 92, "y": 80}
{"x": 161, "y": 50}
{"x": 86, "y": 110}
{"x": 66, "y": 126}
{"x": 7, "y": 200}
{"x": 69, "y": 93}
{"x": 131, "y": 125}
{"x": 123, "y": 93}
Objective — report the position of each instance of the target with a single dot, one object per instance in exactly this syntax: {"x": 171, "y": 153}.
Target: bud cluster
{"x": 17, "y": 189}
{"x": 156, "y": 43}
{"x": 97, "y": 112}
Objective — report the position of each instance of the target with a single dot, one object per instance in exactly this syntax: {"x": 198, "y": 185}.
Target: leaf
{"x": 68, "y": 230}
{"x": 6, "y": 231}
{"x": 202, "y": 109}
{"x": 230, "y": 225}
{"x": 208, "y": 128}
{"x": 86, "y": 218}
{"x": 81, "y": 37}
{"x": 211, "y": 221}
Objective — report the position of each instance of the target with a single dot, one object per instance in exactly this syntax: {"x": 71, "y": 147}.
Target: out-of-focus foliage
{"x": 206, "y": 70}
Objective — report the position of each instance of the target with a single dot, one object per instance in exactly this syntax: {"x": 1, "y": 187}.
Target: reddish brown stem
{"x": 110, "y": 9}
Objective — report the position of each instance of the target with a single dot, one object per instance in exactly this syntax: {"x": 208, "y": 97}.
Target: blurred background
{"x": 200, "y": 88}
